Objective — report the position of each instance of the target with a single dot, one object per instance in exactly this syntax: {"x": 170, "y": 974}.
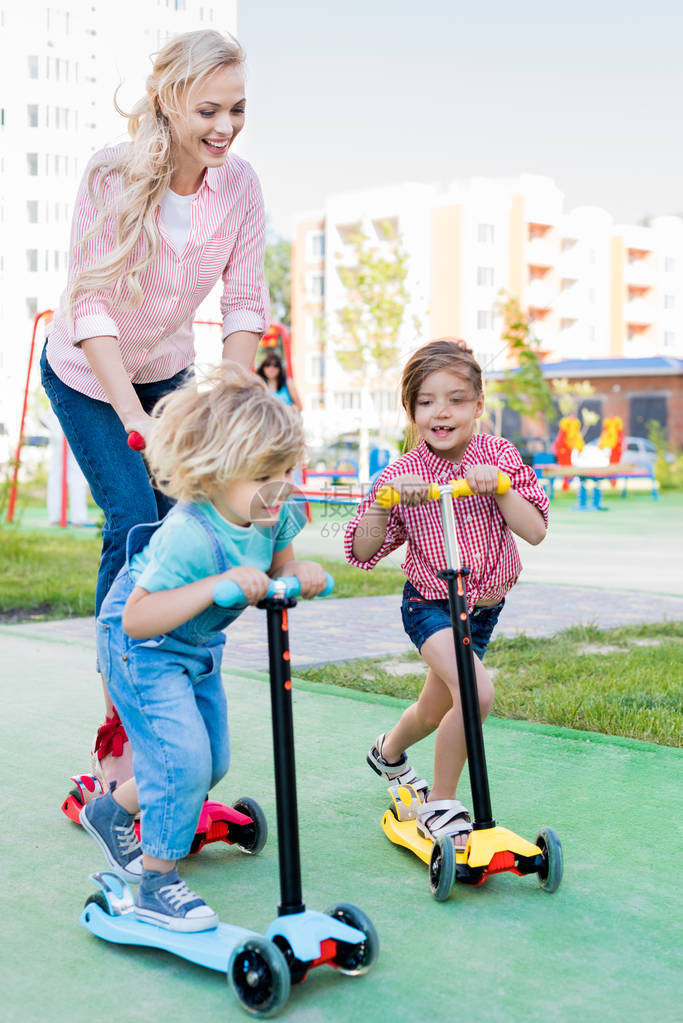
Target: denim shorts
{"x": 422, "y": 618}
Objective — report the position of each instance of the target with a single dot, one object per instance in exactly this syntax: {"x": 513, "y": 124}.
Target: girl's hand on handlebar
{"x": 253, "y": 583}
{"x": 483, "y": 479}
{"x": 413, "y": 490}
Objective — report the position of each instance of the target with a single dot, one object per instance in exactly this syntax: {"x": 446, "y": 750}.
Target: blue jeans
{"x": 422, "y": 618}
{"x": 117, "y": 476}
{"x": 170, "y": 698}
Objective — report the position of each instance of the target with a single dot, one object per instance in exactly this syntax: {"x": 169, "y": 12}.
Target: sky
{"x": 367, "y": 93}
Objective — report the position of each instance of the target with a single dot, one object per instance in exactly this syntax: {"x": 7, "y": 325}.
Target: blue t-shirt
{"x": 179, "y": 552}
{"x": 284, "y": 395}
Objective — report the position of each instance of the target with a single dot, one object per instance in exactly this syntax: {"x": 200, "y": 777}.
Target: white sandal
{"x": 441, "y": 818}
{"x": 399, "y": 773}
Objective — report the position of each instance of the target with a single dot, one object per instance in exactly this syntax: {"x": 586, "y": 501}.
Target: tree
{"x": 278, "y": 272}
{"x": 370, "y": 322}
{"x": 522, "y": 388}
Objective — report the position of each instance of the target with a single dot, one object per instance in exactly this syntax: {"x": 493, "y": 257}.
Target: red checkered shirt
{"x": 487, "y": 545}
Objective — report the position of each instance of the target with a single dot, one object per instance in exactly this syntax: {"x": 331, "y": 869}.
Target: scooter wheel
{"x": 355, "y": 959}
{"x": 259, "y": 976}
{"x": 550, "y": 874}
{"x": 98, "y": 899}
{"x": 442, "y": 869}
{"x": 252, "y": 837}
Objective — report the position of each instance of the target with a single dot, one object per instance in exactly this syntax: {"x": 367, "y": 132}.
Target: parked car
{"x": 641, "y": 451}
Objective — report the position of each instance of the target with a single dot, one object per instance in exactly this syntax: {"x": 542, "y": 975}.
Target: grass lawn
{"x": 624, "y": 681}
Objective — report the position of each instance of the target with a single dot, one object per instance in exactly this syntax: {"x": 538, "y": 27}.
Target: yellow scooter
{"x": 490, "y": 849}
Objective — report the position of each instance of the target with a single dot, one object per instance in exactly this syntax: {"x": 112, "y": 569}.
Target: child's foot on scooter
{"x": 441, "y": 818}
{"x": 111, "y": 758}
{"x": 165, "y": 900}
{"x": 396, "y": 773}
{"x": 113, "y": 828}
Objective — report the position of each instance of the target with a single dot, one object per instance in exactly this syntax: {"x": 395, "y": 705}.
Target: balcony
{"x": 541, "y": 252}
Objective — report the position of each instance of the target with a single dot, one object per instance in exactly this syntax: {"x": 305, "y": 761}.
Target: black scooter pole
{"x": 283, "y": 754}
{"x": 455, "y": 576}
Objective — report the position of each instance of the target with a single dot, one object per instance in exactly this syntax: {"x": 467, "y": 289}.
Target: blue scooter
{"x": 259, "y": 968}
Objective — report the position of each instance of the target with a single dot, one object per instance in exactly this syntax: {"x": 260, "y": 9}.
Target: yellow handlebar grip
{"x": 461, "y": 488}
{"x": 387, "y": 497}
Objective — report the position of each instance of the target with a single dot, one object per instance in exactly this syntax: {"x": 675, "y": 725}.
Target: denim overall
{"x": 169, "y": 695}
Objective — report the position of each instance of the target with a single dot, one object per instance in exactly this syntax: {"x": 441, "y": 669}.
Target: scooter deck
{"x": 488, "y": 850}
{"x": 206, "y": 948}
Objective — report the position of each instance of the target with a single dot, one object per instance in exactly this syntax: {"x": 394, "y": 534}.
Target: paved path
{"x": 342, "y": 629}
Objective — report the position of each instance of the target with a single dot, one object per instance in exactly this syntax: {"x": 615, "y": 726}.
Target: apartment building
{"x": 593, "y": 289}
{"x": 60, "y": 65}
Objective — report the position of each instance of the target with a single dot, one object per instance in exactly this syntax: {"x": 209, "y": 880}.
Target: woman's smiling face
{"x": 213, "y": 120}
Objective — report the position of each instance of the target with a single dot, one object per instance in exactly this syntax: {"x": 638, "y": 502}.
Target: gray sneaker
{"x": 165, "y": 900}
{"x": 113, "y": 828}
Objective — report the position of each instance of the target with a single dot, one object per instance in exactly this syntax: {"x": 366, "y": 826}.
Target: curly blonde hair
{"x": 146, "y": 165}
{"x": 226, "y": 427}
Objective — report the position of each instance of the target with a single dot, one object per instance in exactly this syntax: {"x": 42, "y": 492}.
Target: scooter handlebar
{"x": 227, "y": 593}
{"x": 136, "y": 441}
{"x": 387, "y": 496}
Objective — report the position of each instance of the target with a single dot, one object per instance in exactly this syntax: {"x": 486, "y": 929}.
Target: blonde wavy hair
{"x": 146, "y": 165}
{"x": 226, "y": 427}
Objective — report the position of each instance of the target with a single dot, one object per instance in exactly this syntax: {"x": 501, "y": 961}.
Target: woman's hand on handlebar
{"x": 141, "y": 424}
{"x": 252, "y": 582}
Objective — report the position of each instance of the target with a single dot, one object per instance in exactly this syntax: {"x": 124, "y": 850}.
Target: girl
{"x": 227, "y": 453}
{"x": 273, "y": 372}
{"x": 441, "y": 391}
{"x": 157, "y": 222}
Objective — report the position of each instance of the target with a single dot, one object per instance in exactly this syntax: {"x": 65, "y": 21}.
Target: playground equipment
{"x": 490, "y": 849}
{"x": 260, "y": 969}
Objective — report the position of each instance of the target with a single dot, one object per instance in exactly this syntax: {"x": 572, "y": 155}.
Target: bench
{"x": 623, "y": 471}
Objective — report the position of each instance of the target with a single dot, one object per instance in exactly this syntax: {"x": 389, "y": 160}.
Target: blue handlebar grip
{"x": 226, "y": 593}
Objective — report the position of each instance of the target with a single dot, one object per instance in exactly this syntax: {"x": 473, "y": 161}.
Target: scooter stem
{"x": 455, "y": 577}
{"x": 283, "y": 755}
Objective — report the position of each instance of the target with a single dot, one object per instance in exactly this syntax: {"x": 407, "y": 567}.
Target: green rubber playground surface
{"x": 606, "y": 946}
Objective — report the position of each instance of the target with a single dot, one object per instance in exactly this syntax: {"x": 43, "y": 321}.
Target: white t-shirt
{"x": 176, "y": 216}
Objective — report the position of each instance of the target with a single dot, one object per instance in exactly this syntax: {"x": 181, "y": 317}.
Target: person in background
{"x": 272, "y": 370}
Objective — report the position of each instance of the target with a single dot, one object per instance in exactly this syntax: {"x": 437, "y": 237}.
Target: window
{"x": 486, "y": 234}
{"x": 669, "y": 338}
{"x": 669, "y": 301}
{"x": 567, "y": 283}
{"x": 32, "y": 164}
{"x": 316, "y": 367}
{"x": 484, "y": 319}
{"x": 669, "y": 264}
{"x": 32, "y": 260}
{"x": 32, "y": 67}
{"x": 317, "y": 286}
{"x": 317, "y": 246}
{"x": 32, "y": 115}
{"x": 348, "y": 399}
{"x": 568, "y": 244}
{"x": 32, "y": 211}
{"x": 31, "y": 307}
{"x": 566, "y": 323}
{"x": 485, "y": 276}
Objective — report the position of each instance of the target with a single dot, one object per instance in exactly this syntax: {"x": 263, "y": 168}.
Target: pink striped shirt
{"x": 227, "y": 239}
{"x": 487, "y": 545}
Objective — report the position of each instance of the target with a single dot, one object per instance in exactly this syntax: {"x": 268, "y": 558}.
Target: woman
{"x": 157, "y": 221}
{"x": 273, "y": 372}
